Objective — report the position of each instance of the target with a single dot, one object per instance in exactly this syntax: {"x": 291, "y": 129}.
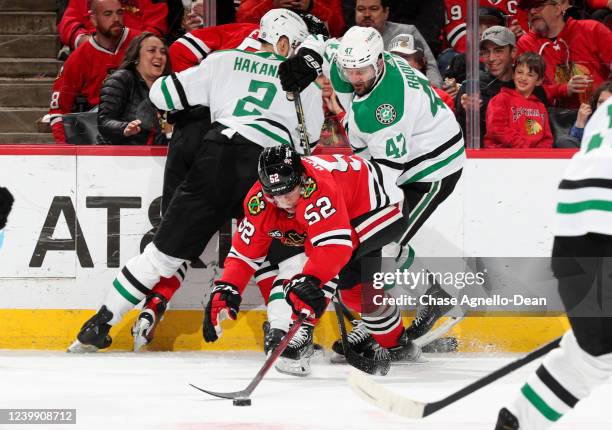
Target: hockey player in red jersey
{"x": 456, "y": 15}
{"x": 87, "y": 67}
{"x": 345, "y": 208}
{"x": 189, "y": 50}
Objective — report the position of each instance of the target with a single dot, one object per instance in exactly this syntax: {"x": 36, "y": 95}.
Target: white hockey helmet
{"x": 277, "y": 23}
{"x": 357, "y": 57}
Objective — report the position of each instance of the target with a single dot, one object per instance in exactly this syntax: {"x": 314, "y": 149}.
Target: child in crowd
{"x": 515, "y": 117}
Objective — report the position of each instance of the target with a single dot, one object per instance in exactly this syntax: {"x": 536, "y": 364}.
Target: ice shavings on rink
{"x": 150, "y": 391}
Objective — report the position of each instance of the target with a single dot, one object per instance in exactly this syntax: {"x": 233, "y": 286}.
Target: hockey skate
{"x": 146, "y": 323}
{"x": 295, "y": 359}
{"x": 272, "y": 337}
{"x": 427, "y": 316}
{"x": 94, "y": 333}
{"x": 506, "y": 420}
{"x": 359, "y": 340}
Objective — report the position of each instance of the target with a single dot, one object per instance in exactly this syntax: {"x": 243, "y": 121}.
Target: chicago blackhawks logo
{"x": 385, "y": 114}
{"x": 532, "y": 127}
{"x": 310, "y": 186}
{"x": 256, "y": 204}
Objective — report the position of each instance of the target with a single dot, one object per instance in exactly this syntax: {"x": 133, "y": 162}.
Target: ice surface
{"x": 149, "y": 390}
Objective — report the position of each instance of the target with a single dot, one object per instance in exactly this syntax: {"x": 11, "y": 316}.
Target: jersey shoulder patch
{"x": 256, "y": 203}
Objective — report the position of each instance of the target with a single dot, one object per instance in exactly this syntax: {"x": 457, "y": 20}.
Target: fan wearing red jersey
{"x": 345, "y": 208}
{"x": 87, "y": 67}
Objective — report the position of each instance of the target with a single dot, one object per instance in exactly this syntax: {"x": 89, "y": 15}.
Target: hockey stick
{"x": 378, "y": 395}
{"x": 436, "y": 333}
{"x": 299, "y": 110}
{"x": 368, "y": 365}
{"x": 246, "y": 393}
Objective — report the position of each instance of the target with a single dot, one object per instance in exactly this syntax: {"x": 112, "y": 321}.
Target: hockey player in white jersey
{"x": 249, "y": 111}
{"x": 582, "y": 259}
{"x": 394, "y": 117}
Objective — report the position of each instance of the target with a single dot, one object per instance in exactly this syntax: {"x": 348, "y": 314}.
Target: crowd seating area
{"x": 545, "y": 64}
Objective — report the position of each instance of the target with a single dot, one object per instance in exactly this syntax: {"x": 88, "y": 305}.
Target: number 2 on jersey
{"x": 262, "y": 100}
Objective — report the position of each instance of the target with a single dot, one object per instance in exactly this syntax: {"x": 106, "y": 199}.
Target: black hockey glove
{"x": 304, "y": 293}
{"x": 224, "y": 303}
{"x": 6, "y": 204}
{"x": 299, "y": 71}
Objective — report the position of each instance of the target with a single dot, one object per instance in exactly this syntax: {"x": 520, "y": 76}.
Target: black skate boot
{"x": 146, "y": 323}
{"x": 506, "y": 420}
{"x": 295, "y": 359}
{"x": 359, "y": 340}
{"x": 427, "y": 315}
{"x": 272, "y": 337}
{"x": 94, "y": 333}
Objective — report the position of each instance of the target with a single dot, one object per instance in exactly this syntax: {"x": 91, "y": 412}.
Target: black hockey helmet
{"x": 315, "y": 25}
{"x": 280, "y": 170}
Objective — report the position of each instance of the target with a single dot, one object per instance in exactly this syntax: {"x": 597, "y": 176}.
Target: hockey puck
{"x": 242, "y": 402}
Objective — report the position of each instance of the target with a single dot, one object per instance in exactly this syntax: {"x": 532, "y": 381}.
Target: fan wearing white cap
{"x": 395, "y": 119}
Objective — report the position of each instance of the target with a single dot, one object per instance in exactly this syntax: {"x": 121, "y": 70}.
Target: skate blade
{"x": 80, "y": 348}
{"x": 139, "y": 343}
{"x": 299, "y": 367}
{"x": 138, "y": 331}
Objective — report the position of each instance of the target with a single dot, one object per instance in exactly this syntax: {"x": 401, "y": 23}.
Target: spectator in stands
{"x": 601, "y": 10}
{"x": 126, "y": 116}
{"x": 497, "y": 52}
{"x": 85, "y": 70}
{"x": 577, "y": 53}
{"x": 374, "y": 13}
{"x": 515, "y": 117}
{"x": 407, "y": 48}
{"x": 329, "y": 11}
{"x": 573, "y": 139}
{"x": 426, "y": 16}
{"x": 76, "y": 27}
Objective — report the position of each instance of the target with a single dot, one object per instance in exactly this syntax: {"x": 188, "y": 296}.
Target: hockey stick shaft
{"x": 264, "y": 369}
{"x": 299, "y": 110}
{"x": 430, "y": 408}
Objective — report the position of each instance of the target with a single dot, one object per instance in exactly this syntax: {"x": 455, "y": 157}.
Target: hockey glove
{"x": 304, "y": 293}
{"x": 299, "y": 71}
{"x": 6, "y": 204}
{"x": 224, "y": 303}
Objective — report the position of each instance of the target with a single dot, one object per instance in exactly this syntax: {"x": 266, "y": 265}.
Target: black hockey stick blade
{"x": 365, "y": 364}
{"x": 246, "y": 393}
{"x": 378, "y": 395}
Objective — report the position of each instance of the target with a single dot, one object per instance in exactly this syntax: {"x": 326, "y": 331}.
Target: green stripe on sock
{"x": 276, "y": 296}
{"x": 126, "y": 295}
{"x": 540, "y": 404}
{"x": 166, "y": 93}
{"x": 587, "y": 205}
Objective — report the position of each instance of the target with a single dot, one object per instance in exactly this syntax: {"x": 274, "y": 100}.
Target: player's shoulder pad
{"x": 255, "y": 202}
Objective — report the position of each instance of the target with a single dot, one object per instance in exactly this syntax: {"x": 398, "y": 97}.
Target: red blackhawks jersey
{"x": 189, "y": 50}
{"x": 456, "y": 16}
{"x": 83, "y": 74}
{"x": 337, "y": 190}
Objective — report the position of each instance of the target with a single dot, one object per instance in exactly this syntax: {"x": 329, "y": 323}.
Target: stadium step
{"x": 25, "y": 92}
{"x": 29, "y": 46}
{"x": 28, "y": 67}
{"x": 20, "y": 120}
{"x": 28, "y": 5}
{"x": 25, "y": 138}
{"x": 27, "y": 23}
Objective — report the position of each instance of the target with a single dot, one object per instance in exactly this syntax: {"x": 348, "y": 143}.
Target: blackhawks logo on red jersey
{"x": 310, "y": 186}
{"x": 256, "y": 204}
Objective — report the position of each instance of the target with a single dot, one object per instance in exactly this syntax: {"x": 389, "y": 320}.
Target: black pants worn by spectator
{"x": 583, "y": 267}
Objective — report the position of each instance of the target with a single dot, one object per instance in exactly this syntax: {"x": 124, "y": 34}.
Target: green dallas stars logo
{"x": 385, "y": 114}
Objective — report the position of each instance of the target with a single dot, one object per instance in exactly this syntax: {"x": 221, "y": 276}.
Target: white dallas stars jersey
{"x": 585, "y": 193}
{"x": 244, "y": 93}
{"x": 401, "y": 123}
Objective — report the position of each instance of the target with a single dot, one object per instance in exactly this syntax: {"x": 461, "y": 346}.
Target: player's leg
{"x": 187, "y": 139}
{"x": 584, "y": 358}
{"x": 420, "y": 200}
